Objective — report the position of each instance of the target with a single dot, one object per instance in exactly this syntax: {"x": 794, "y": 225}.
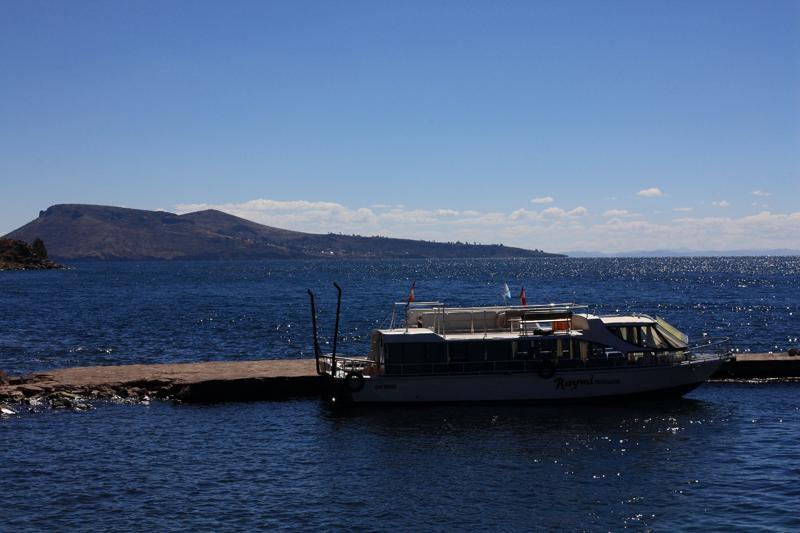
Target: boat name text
{"x": 574, "y": 383}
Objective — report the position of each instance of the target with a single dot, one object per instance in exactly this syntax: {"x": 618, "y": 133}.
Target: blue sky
{"x": 555, "y": 125}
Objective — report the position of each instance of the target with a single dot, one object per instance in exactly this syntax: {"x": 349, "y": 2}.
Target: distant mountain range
{"x": 78, "y": 231}
{"x": 690, "y": 253}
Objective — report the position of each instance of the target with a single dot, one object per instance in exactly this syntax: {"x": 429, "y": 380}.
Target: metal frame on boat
{"x": 434, "y": 353}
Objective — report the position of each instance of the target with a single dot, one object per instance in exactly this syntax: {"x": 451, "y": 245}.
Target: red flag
{"x": 522, "y": 299}
{"x": 411, "y": 291}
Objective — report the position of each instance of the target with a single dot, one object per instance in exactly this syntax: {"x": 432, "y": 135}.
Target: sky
{"x": 558, "y": 125}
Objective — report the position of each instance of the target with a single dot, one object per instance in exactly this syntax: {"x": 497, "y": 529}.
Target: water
{"x": 724, "y": 458}
{"x": 117, "y": 313}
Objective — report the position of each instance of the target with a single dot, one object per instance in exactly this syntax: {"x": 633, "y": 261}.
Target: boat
{"x": 432, "y": 353}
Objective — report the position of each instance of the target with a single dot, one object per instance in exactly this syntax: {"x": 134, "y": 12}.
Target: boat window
{"x": 498, "y": 351}
{"x": 544, "y": 348}
{"x": 477, "y": 351}
{"x": 394, "y": 354}
{"x": 409, "y": 353}
{"x": 414, "y": 353}
{"x": 621, "y": 332}
{"x": 633, "y": 335}
{"x": 651, "y": 339}
{"x": 459, "y": 351}
{"x": 587, "y": 350}
{"x": 437, "y": 352}
{"x": 645, "y": 336}
{"x": 657, "y": 340}
{"x": 467, "y": 351}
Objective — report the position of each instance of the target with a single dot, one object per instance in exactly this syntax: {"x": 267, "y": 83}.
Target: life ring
{"x": 547, "y": 369}
{"x": 354, "y": 381}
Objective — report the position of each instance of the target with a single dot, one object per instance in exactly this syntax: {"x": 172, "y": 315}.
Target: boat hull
{"x": 568, "y": 385}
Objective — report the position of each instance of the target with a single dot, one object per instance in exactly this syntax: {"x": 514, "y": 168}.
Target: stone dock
{"x": 230, "y": 381}
{"x": 207, "y": 382}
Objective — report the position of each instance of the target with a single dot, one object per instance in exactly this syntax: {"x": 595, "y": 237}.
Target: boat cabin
{"x": 430, "y": 338}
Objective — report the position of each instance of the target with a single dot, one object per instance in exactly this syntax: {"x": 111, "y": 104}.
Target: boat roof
{"x": 629, "y": 320}
{"x": 427, "y": 335}
{"x": 543, "y": 308}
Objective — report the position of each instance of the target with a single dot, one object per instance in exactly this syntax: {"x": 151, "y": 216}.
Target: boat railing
{"x": 711, "y": 346}
{"x": 346, "y": 364}
{"x": 522, "y": 319}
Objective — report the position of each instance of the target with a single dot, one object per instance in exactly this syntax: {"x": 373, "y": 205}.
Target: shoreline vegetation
{"x": 16, "y": 254}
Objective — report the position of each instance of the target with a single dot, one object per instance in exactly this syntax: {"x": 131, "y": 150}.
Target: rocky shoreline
{"x": 212, "y": 382}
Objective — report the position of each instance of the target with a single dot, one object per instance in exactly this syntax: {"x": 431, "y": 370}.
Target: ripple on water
{"x": 118, "y": 313}
{"x": 298, "y": 465}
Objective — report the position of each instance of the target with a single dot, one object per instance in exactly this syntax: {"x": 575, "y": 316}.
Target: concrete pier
{"x": 760, "y": 366}
{"x": 228, "y": 381}
{"x": 190, "y": 382}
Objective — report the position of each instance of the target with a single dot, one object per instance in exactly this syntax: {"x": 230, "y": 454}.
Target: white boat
{"x": 432, "y": 353}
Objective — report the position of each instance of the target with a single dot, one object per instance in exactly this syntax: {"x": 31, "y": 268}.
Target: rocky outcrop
{"x": 19, "y": 255}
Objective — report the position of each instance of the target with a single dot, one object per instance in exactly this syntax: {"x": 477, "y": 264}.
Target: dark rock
{"x": 63, "y": 400}
{"x": 19, "y": 255}
{"x": 12, "y": 396}
{"x": 793, "y": 352}
{"x": 136, "y": 392}
{"x": 30, "y": 390}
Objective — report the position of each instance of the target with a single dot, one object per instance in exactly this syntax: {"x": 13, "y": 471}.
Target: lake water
{"x": 116, "y": 313}
{"x": 726, "y": 457}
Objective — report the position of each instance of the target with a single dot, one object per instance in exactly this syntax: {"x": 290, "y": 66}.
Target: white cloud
{"x": 721, "y": 203}
{"x": 521, "y": 214}
{"x": 542, "y": 200}
{"x": 557, "y": 212}
{"x": 652, "y": 192}
{"x": 682, "y": 209}
{"x": 620, "y": 213}
{"x": 552, "y": 229}
{"x": 761, "y": 193}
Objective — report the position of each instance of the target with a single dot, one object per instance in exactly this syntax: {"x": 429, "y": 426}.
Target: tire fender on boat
{"x": 354, "y": 381}
{"x": 547, "y": 369}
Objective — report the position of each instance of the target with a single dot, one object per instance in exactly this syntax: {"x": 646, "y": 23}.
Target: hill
{"x": 19, "y": 255}
{"x": 77, "y": 231}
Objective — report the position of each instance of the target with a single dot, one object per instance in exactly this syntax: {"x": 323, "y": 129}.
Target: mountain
{"x": 77, "y": 231}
